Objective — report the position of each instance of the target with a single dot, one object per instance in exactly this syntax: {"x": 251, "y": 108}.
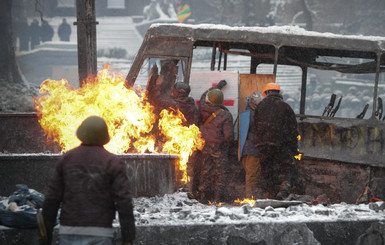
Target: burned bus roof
{"x": 273, "y": 35}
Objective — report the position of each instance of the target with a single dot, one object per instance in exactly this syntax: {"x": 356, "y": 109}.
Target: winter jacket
{"x": 64, "y": 32}
{"x": 90, "y": 184}
{"x": 275, "y": 124}
{"x": 185, "y": 104}
{"x": 220, "y": 130}
{"x": 46, "y": 32}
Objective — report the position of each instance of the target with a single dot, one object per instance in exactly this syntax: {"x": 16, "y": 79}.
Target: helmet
{"x": 254, "y": 99}
{"x": 271, "y": 86}
{"x": 215, "y": 96}
{"x": 93, "y": 130}
{"x": 180, "y": 89}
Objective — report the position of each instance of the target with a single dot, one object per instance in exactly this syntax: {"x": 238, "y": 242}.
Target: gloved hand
{"x": 221, "y": 84}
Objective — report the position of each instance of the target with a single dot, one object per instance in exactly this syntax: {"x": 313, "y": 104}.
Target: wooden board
{"x": 249, "y": 83}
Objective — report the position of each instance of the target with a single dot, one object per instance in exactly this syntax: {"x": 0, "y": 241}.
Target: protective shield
{"x": 244, "y": 122}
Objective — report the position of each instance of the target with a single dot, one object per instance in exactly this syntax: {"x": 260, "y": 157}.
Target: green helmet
{"x": 215, "y": 96}
{"x": 93, "y": 130}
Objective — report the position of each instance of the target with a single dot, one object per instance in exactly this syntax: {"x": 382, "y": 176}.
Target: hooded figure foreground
{"x": 276, "y": 139}
{"x": 89, "y": 185}
{"x": 217, "y": 131}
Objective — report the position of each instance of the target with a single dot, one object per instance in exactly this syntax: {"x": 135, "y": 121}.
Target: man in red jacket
{"x": 276, "y": 139}
{"x": 89, "y": 185}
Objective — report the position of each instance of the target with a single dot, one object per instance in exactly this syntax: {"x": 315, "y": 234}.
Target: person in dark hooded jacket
{"x": 218, "y": 133}
{"x": 276, "y": 140}
{"x": 89, "y": 185}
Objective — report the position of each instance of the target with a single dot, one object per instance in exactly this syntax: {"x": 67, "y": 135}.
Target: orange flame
{"x": 128, "y": 114}
{"x": 181, "y": 140}
{"x": 249, "y": 201}
{"x": 299, "y": 156}
{"x": 215, "y": 203}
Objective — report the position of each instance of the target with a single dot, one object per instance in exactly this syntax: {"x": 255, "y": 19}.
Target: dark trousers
{"x": 276, "y": 169}
{"x": 213, "y": 178}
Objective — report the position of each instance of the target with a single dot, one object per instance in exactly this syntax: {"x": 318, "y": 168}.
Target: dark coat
{"x": 276, "y": 124}
{"x": 220, "y": 130}
{"x": 185, "y": 104}
{"x": 64, "y": 32}
{"x": 91, "y": 184}
{"x": 46, "y": 32}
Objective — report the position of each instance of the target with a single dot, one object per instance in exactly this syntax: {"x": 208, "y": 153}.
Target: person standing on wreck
{"x": 217, "y": 131}
{"x": 276, "y": 140}
{"x": 89, "y": 185}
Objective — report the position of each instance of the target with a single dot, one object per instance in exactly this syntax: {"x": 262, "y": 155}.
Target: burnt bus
{"x": 334, "y": 83}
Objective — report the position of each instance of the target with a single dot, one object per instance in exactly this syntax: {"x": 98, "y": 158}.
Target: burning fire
{"x": 181, "y": 140}
{"x": 128, "y": 114}
{"x": 219, "y": 204}
{"x": 299, "y": 156}
{"x": 249, "y": 201}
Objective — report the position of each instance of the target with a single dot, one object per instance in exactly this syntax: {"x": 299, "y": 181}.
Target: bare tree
{"x": 9, "y": 71}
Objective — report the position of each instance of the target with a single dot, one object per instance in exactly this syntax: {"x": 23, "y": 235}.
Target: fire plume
{"x": 180, "y": 139}
{"x": 127, "y": 112}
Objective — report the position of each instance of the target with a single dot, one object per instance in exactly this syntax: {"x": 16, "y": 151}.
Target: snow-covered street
{"x": 177, "y": 219}
{"x": 179, "y": 209}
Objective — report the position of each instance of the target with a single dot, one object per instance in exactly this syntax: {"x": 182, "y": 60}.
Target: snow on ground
{"x": 178, "y": 209}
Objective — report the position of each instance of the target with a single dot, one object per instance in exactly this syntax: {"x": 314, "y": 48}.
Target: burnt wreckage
{"x": 334, "y": 83}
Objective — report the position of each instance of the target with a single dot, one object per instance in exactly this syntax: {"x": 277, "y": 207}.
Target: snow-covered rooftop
{"x": 286, "y": 29}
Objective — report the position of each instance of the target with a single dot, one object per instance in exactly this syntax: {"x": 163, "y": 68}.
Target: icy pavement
{"x": 178, "y": 209}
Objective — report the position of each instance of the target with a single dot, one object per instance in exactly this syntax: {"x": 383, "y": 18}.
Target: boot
{"x": 284, "y": 190}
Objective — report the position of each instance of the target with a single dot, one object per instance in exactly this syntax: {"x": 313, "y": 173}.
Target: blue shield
{"x": 244, "y": 123}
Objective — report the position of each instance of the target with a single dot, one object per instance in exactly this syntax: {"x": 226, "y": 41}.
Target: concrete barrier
{"x": 22, "y": 133}
{"x": 149, "y": 174}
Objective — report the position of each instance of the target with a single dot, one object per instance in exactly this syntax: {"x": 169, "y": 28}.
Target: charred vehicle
{"x": 334, "y": 83}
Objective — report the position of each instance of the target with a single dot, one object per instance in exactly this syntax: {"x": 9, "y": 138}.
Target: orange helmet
{"x": 270, "y": 86}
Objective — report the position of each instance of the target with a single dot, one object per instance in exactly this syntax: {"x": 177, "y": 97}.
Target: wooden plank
{"x": 249, "y": 83}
